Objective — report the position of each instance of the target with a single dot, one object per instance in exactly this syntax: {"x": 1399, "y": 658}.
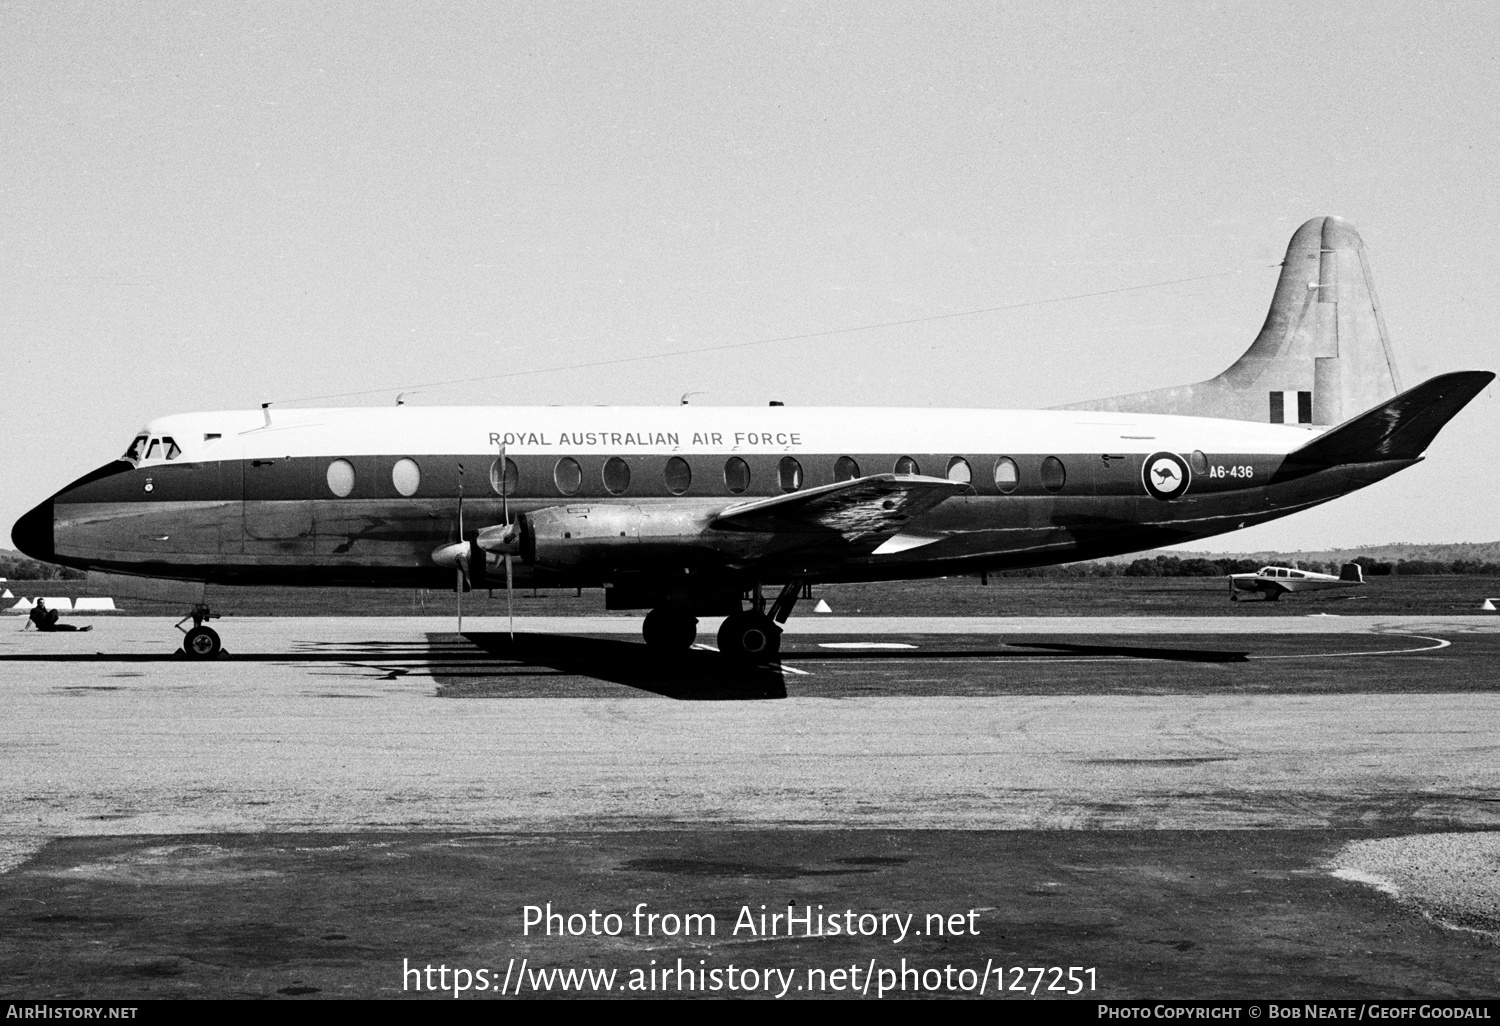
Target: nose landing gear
{"x": 200, "y": 642}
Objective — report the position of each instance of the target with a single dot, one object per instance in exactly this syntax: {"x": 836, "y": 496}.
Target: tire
{"x": 669, "y": 630}
{"x": 202, "y": 643}
{"x": 750, "y": 638}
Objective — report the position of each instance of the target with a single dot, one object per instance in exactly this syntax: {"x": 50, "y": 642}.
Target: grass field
{"x": 959, "y": 596}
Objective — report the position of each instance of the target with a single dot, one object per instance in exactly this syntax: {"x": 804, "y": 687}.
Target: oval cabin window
{"x": 789, "y": 474}
{"x": 736, "y": 475}
{"x": 1198, "y": 461}
{"x": 1006, "y": 475}
{"x": 406, "y": 476}
{"x": 504, "y": 481}
{"x": 678, "y": 475}
{"x": 567, "y": 476}
{"x": 958, "y": 470}
{"x": 1054, "y": 474}
{"x": 341, "y": 477}
{"x": 616, "y": 475}
{"x": 907, "y": 465}
{"x": 845, "y": 469}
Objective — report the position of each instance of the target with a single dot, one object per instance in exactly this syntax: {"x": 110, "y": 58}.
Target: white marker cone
{"x": 822, "y": 607}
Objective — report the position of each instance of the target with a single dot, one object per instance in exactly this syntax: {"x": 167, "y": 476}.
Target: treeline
{"x": 1176, "y": 566}
{"x": 23, "y": 568}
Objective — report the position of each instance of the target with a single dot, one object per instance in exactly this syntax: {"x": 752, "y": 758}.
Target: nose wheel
{"x": 200, "y": 642}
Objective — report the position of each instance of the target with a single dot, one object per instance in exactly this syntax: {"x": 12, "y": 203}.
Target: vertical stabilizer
{"x": 1322, "y": 357}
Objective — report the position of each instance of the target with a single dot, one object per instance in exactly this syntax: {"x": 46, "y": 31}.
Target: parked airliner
{"x": 686, "y": 510}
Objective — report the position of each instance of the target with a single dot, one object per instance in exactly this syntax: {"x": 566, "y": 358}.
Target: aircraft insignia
{"x": 1166, "y": 475}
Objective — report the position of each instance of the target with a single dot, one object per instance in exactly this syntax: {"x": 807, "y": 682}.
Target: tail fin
{"x": 1322, "y": 356}
{"x": 1352, "y": 572}
{"x": 1400, "y": 429}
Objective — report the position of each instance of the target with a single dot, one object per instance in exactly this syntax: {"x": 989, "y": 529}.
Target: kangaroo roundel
{"x": 1166, "y": 475}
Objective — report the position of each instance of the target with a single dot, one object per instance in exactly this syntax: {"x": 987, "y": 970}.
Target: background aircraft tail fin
{"x": 1322, "y": 356}
{"x": 1352, "y": 572}
{"x": 1400, "y": 429}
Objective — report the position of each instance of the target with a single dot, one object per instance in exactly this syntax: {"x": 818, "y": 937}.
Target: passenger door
{"x": 278, "y": 506}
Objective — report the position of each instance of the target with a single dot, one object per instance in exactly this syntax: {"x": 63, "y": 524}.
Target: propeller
{"x": 508, "y": 538}
{"x": 459, "y": 554}
{"x": 465, "y": 556}
{"x": 461, "y": 562}
{"x": 510, "y": 612}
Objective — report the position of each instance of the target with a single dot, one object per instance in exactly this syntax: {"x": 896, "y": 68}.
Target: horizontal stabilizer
{"x": 1399, "y": 429}
{"x": 865, "y": 511}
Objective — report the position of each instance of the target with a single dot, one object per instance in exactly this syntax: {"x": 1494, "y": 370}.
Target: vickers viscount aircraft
{"x": 687, "y": 510}
{"x": 1275, "y": 581}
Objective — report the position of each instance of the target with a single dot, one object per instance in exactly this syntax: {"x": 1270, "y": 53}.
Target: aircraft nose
{"x": 33, "y": 533}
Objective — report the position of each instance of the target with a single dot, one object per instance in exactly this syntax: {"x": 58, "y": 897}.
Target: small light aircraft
{"x": 686, "y": 510}
{"x": 1275, "y": 581}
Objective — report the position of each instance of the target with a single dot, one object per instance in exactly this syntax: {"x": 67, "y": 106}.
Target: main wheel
{"x": 750, "y": 638}
{"x": 670, "y": 630}
{"x": 201, "y": 643}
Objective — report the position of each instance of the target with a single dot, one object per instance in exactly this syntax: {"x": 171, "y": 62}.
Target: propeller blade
{"x": 504, "y": 486}
{"x": 461, "y": 563}
{"x": 509, "y": 610}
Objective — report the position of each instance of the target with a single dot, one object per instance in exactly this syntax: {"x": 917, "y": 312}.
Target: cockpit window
{"x": 155, "y": 449}
{"x": 172, "y": 450}
{"x": 134, "y": 452}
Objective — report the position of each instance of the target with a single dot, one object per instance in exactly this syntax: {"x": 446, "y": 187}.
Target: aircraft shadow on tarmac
{"x": 1059, "y": 649}
{"x": 694, "y": 675}
{"x": 1179, "y": 655}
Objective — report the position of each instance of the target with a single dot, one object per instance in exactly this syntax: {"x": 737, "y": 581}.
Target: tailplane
{"x": 1399, "y": 429}
{"x": 1322, "y": 356}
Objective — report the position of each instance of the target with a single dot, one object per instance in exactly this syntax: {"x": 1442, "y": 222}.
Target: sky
{"x": 209, "y": 206}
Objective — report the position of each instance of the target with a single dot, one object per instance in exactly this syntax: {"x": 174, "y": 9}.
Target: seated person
{"x": 46, "y": 619}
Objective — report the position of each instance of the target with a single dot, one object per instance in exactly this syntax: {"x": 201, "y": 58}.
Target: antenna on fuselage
{"x": 265, "y": 408}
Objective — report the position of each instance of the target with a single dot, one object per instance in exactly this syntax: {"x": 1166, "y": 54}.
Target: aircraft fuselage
{"x": 363, "y": 496}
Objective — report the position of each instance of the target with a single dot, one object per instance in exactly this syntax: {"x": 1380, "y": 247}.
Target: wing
{"x": 864, "y": 512}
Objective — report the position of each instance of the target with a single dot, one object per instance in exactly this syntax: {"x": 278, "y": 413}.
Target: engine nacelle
{"x": 618, "y": 535}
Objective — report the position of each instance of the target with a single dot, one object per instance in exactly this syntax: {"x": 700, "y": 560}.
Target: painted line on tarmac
{"x": 1437, "y": 644}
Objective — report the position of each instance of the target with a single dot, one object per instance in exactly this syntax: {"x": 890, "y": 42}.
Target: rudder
{"x": 1322, "y": 356}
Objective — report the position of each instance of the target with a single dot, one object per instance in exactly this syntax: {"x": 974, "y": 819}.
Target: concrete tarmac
{"x": 580, "y": 769}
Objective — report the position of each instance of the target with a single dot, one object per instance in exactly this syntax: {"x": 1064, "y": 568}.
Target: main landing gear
{"x": 752, "y": 636}
{"x": 669, "y": 629}
{"x": 200, "y": 642}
